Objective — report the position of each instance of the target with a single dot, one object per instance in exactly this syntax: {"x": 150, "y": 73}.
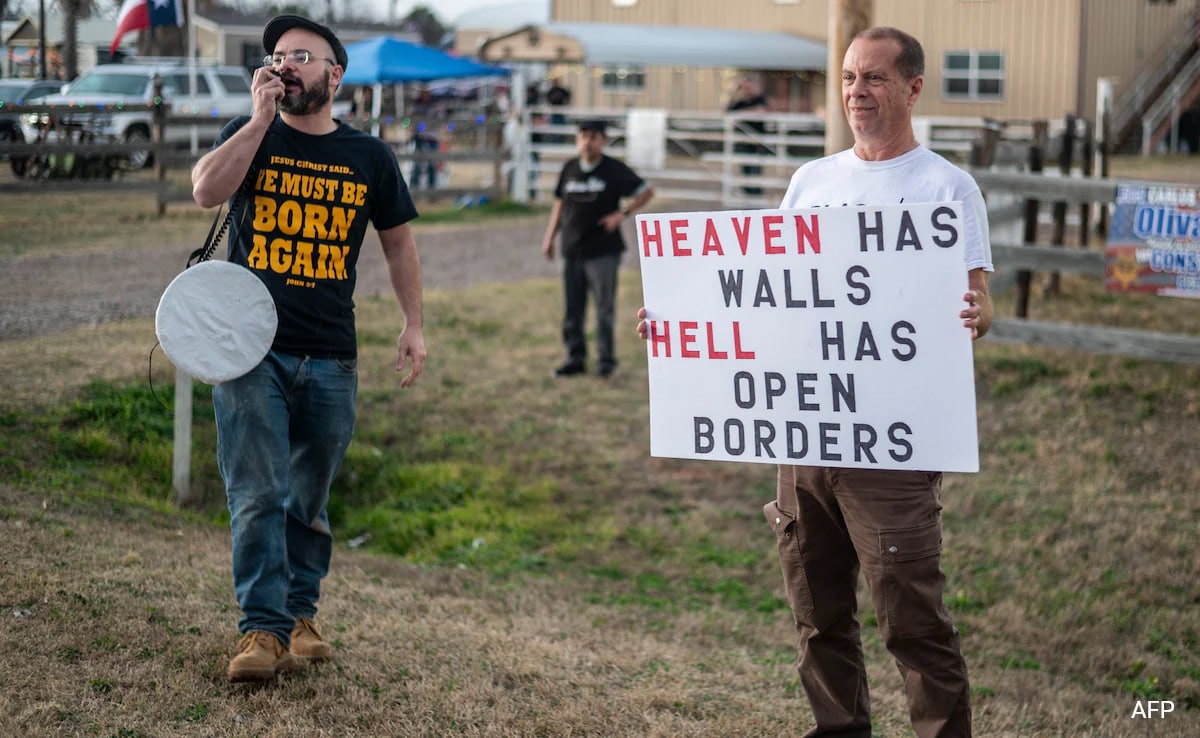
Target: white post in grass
{"x": 181, "y": 463}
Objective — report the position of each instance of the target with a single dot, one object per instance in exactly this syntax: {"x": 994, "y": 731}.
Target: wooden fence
{"x": 94, "y": 160}
{"x": 730, "y": 160}
{"x": 1016, "y": 184}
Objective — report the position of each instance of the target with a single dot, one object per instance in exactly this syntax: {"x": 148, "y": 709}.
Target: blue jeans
{"x": 282, "y": 430}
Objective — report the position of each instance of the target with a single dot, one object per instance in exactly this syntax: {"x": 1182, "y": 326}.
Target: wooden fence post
{"x": 1105, "y": 152}
{"x": 157, "y": 136}
{"x": 1058, "y": 237}
{"x": 983, "y": 149}
{"x": 1085, "y": 159}
{"x": 1024, "y": 276}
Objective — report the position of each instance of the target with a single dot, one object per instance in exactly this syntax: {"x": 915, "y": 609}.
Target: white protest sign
{"x": 824, "y": 337}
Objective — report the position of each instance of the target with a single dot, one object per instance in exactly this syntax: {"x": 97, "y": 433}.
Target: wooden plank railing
{"x": 74, "y": 141}
{"x": 1018, "y": 256}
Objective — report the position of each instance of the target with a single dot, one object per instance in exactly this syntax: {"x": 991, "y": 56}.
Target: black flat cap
{"x": 598, "y": 125}
{"x": 281, "y": 24}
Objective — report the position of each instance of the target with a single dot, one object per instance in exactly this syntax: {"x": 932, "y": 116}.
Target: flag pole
{"x": 191, "y": 53}
{"x": 42, "y": 40}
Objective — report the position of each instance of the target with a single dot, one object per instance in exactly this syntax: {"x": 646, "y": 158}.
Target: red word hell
{"x": 687, "y": 337}
{"x": 774, "y": 234}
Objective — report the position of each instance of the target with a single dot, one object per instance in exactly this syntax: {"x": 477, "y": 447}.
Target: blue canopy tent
{"x": 388, "y": 60}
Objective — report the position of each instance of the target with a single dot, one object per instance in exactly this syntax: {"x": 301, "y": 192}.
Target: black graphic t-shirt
{"x": 303, "y": 224}
{"x": 588, "y": 196}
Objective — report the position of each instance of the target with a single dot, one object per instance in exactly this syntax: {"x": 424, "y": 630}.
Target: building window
{"x": 252, "y": 54}
{"x": 973, "y": 75}
{"x": 623, "y": 79}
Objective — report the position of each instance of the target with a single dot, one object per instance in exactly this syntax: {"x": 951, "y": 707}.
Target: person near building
{"x": 558, "y": 96}
{"x": 587, "y": 213}
{"x": 747, "y": 98}
{"x": 309, "y": 186}
{"x": 831, "y": 524}
{"x": 425, "y": 121}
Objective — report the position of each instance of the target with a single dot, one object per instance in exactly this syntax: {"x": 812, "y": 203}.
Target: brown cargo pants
{"x": 828, "y": 524}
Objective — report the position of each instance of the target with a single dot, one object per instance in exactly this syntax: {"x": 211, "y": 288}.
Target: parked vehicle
{"x": 21, "y": 91}
{"x": 127, "y": 90}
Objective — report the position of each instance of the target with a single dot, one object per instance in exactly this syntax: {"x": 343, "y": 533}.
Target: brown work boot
{"x": 307, "y": 642}
{"x": 260, "y": 657}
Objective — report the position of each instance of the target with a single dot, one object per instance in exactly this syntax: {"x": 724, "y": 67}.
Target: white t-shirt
{"x": 919, "y": 176}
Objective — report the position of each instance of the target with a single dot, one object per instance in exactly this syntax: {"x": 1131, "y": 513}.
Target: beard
{"x": 309, "y": 99}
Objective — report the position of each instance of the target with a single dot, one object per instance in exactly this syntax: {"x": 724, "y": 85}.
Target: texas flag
{"x": 138, "y": 14}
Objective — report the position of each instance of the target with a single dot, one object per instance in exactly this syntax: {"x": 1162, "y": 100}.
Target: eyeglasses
{"x": 298, "y": 57}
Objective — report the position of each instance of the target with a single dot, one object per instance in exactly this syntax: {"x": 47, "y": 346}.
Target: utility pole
{"x": 846, "y": 18}
{"x": 42, "y": 39}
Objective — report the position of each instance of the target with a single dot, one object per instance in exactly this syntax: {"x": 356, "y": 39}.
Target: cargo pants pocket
{"x": 911, "y": 583}
{"x": 791, "y": 562}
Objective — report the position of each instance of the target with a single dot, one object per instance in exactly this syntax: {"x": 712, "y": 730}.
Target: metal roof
{"x": 609, "y": 44}
{"x": 503, "y": 15}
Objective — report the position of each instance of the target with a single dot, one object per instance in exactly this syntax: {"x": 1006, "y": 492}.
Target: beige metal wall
{"x": 1054, "y": 49}
{"x": 805, "y": 17}
{"x": 678, "y": 88}
{"x": 694, "y": 88}
{"x": 1039, "y": 39}
{"x": 681, "y": 88}
{"x": 1121, "y": 38}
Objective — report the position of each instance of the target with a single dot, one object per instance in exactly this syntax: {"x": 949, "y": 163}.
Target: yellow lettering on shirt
{"x": 257, "y": 259}
{"x": 303, "y": 217}
{"x": 281, "y": 255}
{"x": 266, "y": 180}
{"x": 302, "y": 265}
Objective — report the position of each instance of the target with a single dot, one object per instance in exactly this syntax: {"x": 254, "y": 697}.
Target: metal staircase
{"x": 1162, "y": 118}
{"x": 1145, "y": 113}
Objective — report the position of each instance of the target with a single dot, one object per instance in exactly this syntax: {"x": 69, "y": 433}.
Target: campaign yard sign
{"x": 828, "y": 336}
{"x": 1154, "y": 241}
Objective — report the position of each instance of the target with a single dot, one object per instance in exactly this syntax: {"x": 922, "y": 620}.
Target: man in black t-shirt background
{"x": 587, "y": 212}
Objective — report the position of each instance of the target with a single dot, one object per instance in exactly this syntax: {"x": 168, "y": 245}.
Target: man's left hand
{"x": 612, "y": 221}
{"x": 410, "y": 346}
{"x": 971, "y": 314}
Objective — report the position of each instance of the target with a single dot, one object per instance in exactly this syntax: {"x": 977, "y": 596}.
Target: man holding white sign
{"x": 827, "y": 337}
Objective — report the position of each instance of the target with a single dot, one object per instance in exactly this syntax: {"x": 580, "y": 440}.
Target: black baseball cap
{"x": 595, "y": 124}
{"x": 281, "y": 24}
